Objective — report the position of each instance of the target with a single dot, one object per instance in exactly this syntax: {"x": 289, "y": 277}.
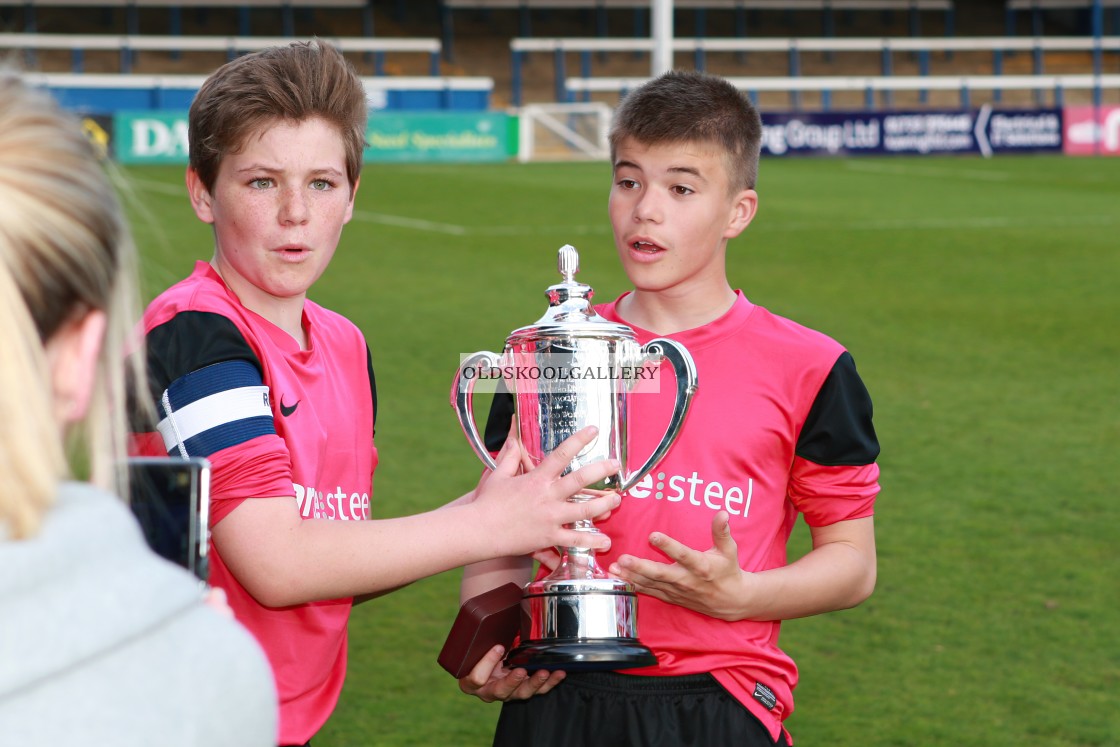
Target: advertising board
{"x": 156, "y": 137}
{"x": 1092, "y": 130}
{"x": 985, "y": 131}
{"x": 440, "y": 137}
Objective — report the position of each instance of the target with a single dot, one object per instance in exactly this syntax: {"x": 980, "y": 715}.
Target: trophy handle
{"x": 685, "y": 370}
{"x": 462, "y": 399}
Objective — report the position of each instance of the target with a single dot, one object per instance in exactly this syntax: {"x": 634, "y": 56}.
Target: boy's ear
{"x": 743, "y": 209}
{"x": 200, "y": 197}
{"x": 350, "y": 207}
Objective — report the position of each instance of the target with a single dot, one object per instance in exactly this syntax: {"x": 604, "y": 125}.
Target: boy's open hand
{"x": 710, "y": 582}
{"x": 531, "y": 511}
{"x": 490, "y": 680}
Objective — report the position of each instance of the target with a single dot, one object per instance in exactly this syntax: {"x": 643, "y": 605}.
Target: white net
{"x": 564, "y": 132}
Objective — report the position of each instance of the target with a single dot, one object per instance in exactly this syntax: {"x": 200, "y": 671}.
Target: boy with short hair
{"x": 780, "y": 425}
{"x": 278, "y": 392}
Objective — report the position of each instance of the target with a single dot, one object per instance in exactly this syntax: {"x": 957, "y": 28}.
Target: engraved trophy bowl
{"x": 570, "y": 369}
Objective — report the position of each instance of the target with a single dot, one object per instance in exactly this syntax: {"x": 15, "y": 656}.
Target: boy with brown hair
{"x": 278, "y": 392}
{"x": 780, "y": 426}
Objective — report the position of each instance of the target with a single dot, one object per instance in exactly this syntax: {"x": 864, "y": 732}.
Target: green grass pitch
{"x": 981, "y": 300}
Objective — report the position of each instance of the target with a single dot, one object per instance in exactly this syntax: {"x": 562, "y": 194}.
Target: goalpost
{"x": 578, "y": 131}
{"x": 564, "y": 132}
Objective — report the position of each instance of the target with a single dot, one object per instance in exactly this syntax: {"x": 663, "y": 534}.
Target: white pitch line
{"x": 457, "y": 230}
{"x": 981, "y": 223}
{"x": 419, "y": 224}
{"x": 532, "y": 230}
{"x": 400, "y": 221}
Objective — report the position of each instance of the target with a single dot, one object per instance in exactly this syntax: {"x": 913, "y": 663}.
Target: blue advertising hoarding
{"x": 984, "y": 131}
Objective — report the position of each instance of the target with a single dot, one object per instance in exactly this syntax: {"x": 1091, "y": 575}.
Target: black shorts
{"x": 607, "y": 709}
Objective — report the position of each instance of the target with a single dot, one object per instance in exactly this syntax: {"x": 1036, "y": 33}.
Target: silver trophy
{"x": 571, "y": 369}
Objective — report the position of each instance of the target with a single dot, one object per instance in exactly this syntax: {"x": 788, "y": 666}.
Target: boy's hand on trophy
{"x": 490, "y": 680}
{"x": 508, "y": 446}
{"x": 596, "y": 493}
{"x": 532, "y": 509}
{"x": 547, "y": 557}
{"x": 710, "y": 581}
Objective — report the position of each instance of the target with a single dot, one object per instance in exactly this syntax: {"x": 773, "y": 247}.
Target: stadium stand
{"x": 174, "y": 8}
{"x": 793, "y": 49}
{"x": 537, "y": 69}
{"x": 139, "y": 92}
{"x": 823, "y": 9}
{"x": 127, "y": 46}
{"x": 1037, "y": 9}
{"x": 963, "y": 86}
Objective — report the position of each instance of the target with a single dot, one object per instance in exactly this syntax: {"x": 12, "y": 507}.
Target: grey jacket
{"x": 104, "y": 643}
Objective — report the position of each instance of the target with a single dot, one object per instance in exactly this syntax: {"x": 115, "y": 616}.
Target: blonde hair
{"x": 65, "y": 250}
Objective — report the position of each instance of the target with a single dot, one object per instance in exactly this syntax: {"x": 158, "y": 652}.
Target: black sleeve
{"x": 189, "y": 341}
{"x": 497, "y": 424}
{"x": 372, "y": 386}
{"x": 838, "y": 430}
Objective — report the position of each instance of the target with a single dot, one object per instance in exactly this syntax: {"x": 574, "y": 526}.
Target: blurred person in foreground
{"x": 780, "y": 426}
{"x": 278, "y": 392}
{"x": 101, "y": 641}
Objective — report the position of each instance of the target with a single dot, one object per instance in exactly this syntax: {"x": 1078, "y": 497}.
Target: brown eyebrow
{"x": 689, "y": 170}
{"x": 255, "y": 167}
{"x": 327, "y": 171}
{"x": 686, "y": 170}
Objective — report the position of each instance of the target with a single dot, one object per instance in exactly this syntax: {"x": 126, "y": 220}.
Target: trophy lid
{"x": 570, "y": 312}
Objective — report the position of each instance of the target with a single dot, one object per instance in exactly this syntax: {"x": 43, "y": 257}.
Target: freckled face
{"x": 672, "y": 212}
{"x": 278, "y": 208}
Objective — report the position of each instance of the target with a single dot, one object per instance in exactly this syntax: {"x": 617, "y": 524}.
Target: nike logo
{"x": 285, "y": 410}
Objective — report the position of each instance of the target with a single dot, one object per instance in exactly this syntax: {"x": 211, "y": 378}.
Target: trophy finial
{"x": 569, "y": 299}
{"x": 568, "y": 262}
